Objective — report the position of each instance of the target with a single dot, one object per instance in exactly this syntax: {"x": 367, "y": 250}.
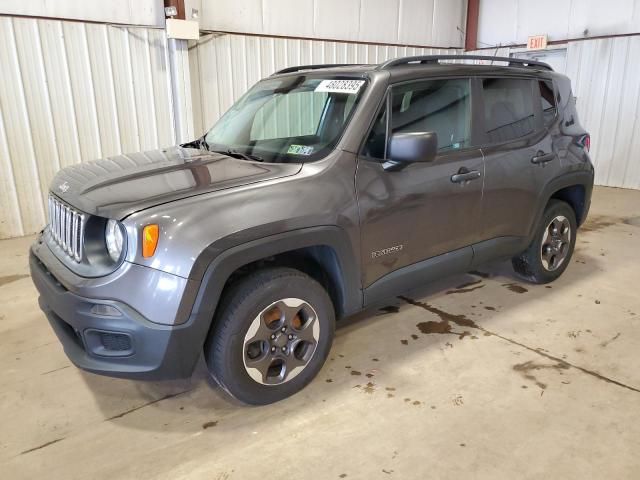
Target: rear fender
{"x": 583, "y": 178}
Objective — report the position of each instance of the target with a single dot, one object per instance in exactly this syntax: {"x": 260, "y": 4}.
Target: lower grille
{"x": 67, "y": 227}
{"x": 115, "y": 341}
{"x": 103, "y": 343}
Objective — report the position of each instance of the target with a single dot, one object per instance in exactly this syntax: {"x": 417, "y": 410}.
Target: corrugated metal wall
{"x": 605, "y": 77}
{"x": 606, "y": 81}
{"x": 437, "y": 23}
{"x": 124, "y": 12}
{"x": 503, "y": 22}
{"x": 223, "y": 67}
{"x": 72, "y": 92}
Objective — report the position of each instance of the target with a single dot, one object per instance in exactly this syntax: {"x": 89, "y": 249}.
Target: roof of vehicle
{"x": 431, "y": 65}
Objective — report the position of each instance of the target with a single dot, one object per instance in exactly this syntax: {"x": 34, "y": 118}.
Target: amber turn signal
{"x": 149, "y": 240}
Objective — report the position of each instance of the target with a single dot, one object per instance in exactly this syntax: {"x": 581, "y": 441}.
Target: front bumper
{"x": 126, "y": 345}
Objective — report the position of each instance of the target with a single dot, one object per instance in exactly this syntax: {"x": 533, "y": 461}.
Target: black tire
{"x": 242, "y": 304}
{"x": 529, "y": 264}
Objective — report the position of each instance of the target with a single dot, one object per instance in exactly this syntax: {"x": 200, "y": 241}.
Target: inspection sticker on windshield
{"x": 300, "y": 150}
{"x": 340, "y": 86}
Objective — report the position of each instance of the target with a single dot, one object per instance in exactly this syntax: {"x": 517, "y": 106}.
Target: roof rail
{"x": 314, "y": 67}
{"x": 435, "y": 59}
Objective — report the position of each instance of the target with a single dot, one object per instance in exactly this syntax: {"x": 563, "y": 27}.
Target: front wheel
{"x": 271, "y": 337}
{"x": 552, "y": 247}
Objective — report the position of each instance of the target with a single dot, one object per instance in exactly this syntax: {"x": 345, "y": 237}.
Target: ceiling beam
{"x": 471, "y": 32}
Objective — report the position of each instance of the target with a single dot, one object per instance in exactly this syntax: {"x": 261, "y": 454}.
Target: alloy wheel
{"x": 556, "y": 242}
{"x": 281, "y": 341}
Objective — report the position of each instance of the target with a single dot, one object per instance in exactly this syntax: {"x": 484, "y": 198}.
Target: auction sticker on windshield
{"x": 340, "y": 86}
{"x": 300, "y": 150}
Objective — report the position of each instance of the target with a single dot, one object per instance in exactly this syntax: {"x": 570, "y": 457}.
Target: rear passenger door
{"x": 518, "y": 155}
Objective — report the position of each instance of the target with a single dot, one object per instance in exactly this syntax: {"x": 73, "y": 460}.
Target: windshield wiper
{"x": 198, "y": 143}
{"x": 203, "y": 143}
{"x": 245, "y": 156}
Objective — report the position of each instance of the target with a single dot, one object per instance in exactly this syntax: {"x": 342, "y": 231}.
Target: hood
{"x": 116, "y": 187}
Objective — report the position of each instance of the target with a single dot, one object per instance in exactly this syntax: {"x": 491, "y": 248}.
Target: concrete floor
{"x": 478, "y": 376}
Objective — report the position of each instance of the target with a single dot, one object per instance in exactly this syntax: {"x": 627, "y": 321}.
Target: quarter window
{"x": 548, "y": 102}
{"x": 508, "y": 108}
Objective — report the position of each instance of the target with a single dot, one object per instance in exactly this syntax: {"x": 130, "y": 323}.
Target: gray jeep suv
{"x": 324, "y": 190}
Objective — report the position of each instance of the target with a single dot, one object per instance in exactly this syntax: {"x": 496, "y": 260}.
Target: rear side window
{"x": 440, "y": 106}
{"x": 548, "y": 102}
{"x": 508, "y": 108}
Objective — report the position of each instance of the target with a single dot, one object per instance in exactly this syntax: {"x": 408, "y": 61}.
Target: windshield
{"x": 290, "y": 119}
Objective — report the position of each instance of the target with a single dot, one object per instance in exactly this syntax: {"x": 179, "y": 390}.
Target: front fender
{"x": 205, "y": 299}
{"x": 217, "y": 266}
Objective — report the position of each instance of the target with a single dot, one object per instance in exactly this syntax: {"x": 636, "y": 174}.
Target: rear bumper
{"x": 587, "y": 200}
{"x": 114, "y": 339}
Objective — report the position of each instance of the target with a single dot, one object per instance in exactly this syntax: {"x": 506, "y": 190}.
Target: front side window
{"x": 376, "y": 143}
{"x": 440, "y": 106}
{"x": 290, "y": 119}
{"x": 508, "y": 108}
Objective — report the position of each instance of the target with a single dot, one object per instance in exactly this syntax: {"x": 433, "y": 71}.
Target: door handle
{"x": 542, "y": 157}
{"x": 465, "y": 175}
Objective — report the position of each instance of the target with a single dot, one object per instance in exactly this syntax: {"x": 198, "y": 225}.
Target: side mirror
{"x": 411, "y": 147}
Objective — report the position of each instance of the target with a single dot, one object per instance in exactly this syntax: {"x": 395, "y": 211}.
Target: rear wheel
{"x": 271, "y": 337}
{"x": 552, "y": 247}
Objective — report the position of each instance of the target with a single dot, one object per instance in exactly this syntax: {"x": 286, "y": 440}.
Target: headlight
{"x": 114, "y": 238}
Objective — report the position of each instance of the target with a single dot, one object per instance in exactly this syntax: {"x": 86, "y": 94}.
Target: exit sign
{"x": 537, "y": 42}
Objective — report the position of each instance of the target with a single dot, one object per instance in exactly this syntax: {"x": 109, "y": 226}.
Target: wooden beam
{"x": 179, "y": 4}
{"x": 471, "y": 33}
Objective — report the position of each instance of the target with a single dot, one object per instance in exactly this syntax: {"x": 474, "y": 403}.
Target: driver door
{"x": 421, "y": 220}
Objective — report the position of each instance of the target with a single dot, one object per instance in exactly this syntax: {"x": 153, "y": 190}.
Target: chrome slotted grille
{"x": 67, "y": 228}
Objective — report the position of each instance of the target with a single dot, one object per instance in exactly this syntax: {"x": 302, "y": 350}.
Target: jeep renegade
{"x": 324, "y": 190}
